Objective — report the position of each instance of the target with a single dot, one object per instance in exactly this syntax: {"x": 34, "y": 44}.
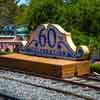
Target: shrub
{"x": 95, "y": 68}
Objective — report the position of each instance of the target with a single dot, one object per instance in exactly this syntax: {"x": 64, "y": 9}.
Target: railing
{"x": 6, "y": 97}
{"x": 7, "y": 36}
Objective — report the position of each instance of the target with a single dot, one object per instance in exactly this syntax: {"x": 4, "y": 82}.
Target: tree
{"x": 84, "y": 15}
{"x": 45, "y": 11}
{"x": 8, "y": 10}
{"x": 81, "y": 17}
{"x": 21, "y": 14}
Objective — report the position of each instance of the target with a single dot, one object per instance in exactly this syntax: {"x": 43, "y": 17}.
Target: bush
{"x": 95, "y": 68}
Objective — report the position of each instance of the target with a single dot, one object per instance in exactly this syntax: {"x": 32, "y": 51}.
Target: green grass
{"x": 5, "y": 53}
{"x": 95, "y": 67}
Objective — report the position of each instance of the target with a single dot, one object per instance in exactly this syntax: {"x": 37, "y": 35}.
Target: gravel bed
{"x": 26, "y": 92}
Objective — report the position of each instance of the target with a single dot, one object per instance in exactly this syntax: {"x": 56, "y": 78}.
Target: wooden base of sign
{"x": 45, "y": 66}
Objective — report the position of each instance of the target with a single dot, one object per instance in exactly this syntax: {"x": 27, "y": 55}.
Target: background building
{"x": 8, "y": 38}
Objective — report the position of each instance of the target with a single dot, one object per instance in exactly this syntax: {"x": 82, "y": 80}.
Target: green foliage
{"x": 79, "y": 37}
{"x": 94, "y": 42}
{"x": 81, "y": 17}
{"x": 95, "y": 68}
{"x": 8, "y": 10}
{"x": 45, "y": 11}
{"x": 84, "y": 15}
{"x": 21, "y": 15}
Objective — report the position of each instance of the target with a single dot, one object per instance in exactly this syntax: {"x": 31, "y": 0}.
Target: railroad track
{"x": 92, "y": 77}
{"x": 45, "y": 87}
{"x": 82, "y": 80}
{"x": 76, "y": 83}
{"x": 85, "y": 81}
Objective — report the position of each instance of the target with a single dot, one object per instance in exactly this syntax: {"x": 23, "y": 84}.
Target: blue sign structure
{"x": 51, "y": 40}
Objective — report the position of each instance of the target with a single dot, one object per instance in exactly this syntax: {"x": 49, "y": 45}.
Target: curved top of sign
{"x": 51, "y": 40}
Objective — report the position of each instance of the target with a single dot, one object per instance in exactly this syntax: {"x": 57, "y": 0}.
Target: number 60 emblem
{"x": 49, "y": 38}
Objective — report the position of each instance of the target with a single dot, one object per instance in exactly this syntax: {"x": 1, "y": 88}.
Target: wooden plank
{"x": 83, "y": 68}
{"x": 38, "y": 59}
{"x": 68, "y": 70}
{"x": 46, "y": 66}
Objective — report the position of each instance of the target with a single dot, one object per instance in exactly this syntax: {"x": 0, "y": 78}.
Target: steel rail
{"x": 90, "y": 78}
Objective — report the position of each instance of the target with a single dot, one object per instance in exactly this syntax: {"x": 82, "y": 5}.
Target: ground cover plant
{"x": 95, "y": 68}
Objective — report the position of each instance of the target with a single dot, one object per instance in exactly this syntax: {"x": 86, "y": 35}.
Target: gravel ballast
{"x": 28, "y": 92}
